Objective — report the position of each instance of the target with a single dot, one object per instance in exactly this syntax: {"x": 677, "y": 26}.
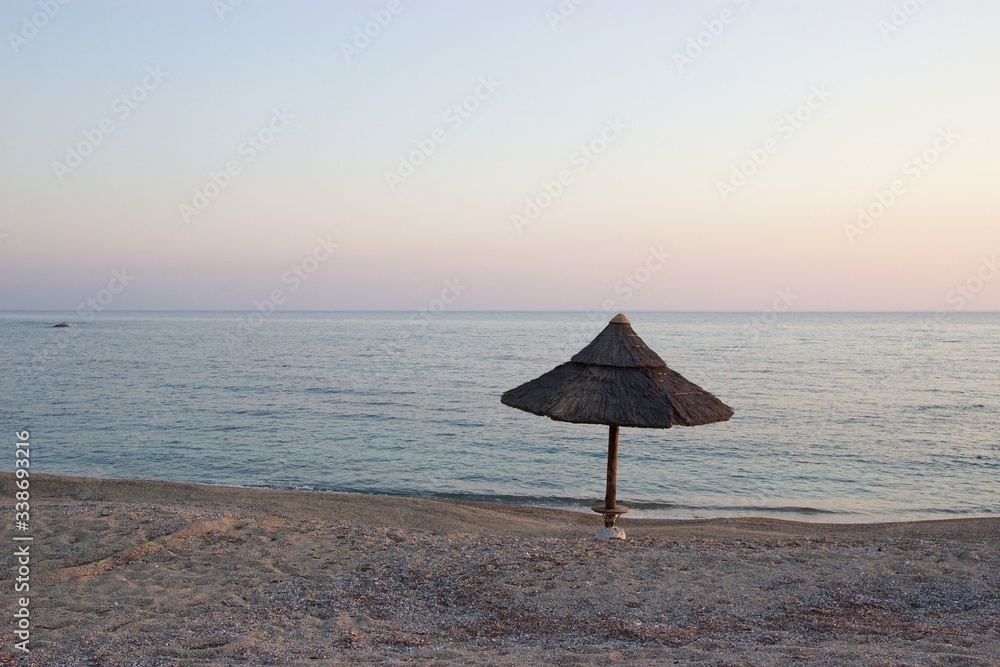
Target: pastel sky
{"x": 627, "y": 156}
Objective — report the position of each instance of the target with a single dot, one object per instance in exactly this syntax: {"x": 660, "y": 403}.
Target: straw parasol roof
{"x": 619, "y": 381}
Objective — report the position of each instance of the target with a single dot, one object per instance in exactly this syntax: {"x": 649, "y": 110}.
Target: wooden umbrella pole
{"x": 610, "y": 497}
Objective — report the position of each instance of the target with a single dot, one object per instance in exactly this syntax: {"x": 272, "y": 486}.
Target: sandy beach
{"x": 152, "y": 573}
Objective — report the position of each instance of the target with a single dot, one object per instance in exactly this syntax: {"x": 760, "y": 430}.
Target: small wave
{"x": 969, "y": 407}
{"x": 564, "y": 502}
{"x": 934, "y": 511}
{"x": 770, "y": 509}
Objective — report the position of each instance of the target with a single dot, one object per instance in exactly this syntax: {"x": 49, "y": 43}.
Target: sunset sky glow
{"x": 664, "y": 156}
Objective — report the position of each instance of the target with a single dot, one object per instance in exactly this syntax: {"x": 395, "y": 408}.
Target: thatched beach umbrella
{"x": 617, "y": 380}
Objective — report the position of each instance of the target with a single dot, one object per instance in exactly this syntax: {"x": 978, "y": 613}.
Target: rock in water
{"x": 61, "y": 325}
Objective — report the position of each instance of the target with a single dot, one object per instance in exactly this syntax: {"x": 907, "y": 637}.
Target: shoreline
{"x": 129, "y": 572}
{"x": 793, "y": 514}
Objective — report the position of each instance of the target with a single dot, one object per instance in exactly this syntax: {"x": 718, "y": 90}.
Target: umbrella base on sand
{"x": 610, "y": 531}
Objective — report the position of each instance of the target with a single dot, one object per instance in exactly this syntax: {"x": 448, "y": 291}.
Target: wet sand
{"x": 153, "y": 573}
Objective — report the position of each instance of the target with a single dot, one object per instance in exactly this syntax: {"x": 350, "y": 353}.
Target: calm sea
{"x": 839, "y": 417}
